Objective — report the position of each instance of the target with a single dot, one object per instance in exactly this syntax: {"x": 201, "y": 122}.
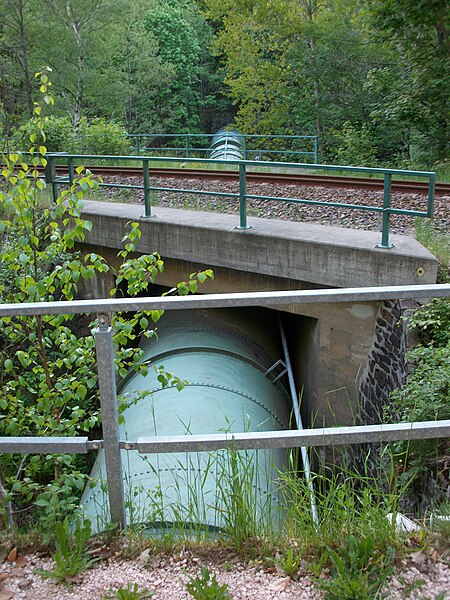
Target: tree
{"x": 376, "y": 75}
{"x": 412, "y": 87}
{"x": 48, "y": 375}
{"x": 81, "y": 36}
{"x": 17, "y": 44}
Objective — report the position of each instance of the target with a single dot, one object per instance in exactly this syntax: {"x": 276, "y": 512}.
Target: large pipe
{"x": 227, "y": 144}
{"x": 226, "y": 357}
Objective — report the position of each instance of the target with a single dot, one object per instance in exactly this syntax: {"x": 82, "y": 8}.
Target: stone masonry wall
{"x": 386, "y": 368}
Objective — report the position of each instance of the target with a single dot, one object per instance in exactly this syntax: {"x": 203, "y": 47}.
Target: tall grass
{"x": 438, "y": 243}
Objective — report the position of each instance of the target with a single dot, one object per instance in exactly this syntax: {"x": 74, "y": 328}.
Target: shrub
{"x": 58, "y": 134}
{"x": 94, "y": 137}
{"x": 425, "y": 397}
{"x": 100, "y": 137}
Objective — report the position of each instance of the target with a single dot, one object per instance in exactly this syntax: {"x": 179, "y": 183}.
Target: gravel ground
{"x": 167, "y": 577}
{"x": 341, "y": 217}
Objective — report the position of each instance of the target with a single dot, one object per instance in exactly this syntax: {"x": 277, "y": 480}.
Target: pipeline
{"x": 231, "y": 362}
{"x": 227, "y": 144}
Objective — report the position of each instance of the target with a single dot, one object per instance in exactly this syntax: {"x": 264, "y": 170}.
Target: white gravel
{"x": 167, "y": 577}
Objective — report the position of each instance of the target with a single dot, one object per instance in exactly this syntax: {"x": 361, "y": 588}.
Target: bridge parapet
{"x": 311, "y": 253}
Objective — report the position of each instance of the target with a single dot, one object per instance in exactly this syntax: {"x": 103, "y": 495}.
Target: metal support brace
{"x": 71, "y": 170}
{"x": 50, "y": 175}
{"x": 316, "y": 149}
{"x": 278, "y": 363}
{"x": 110, "y": 420}
{"x": 299, "y": 423}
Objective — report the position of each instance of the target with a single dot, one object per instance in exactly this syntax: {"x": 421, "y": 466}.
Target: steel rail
{"x": 326, "y": 436}
{"x": 334, "y": 181}
{"x": 255, "y": 440}
{"x": 109, "y": 305}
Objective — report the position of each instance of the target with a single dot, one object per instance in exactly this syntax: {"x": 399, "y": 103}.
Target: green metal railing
{"x": 192, "y": 145}
{"x": 242, "y": 166}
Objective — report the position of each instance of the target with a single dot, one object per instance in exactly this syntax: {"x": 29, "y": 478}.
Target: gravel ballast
{"x": 289, "y": 211}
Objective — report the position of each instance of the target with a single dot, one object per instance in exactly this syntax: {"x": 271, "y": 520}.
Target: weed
{"x": 131, "y": 592}
{"x": 70, "y": 556}
{"x": 409, "y": 588}
{"x": 206, "y": 587}
{"x": 289, "y": 563}
{"x": 357, "y": 570}
{"x": 438, "y": 243}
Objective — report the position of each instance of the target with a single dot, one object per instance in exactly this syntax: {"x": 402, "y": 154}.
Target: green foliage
{"x": 130, "y": 592}
{"x": 437, "y": 242}
{"x": 352, "y": 536}
{"x": 357, "y": 572}
{"x": 96, "y": 136}
{"x": 246, "y": 512}
{"x": 206, "y": 587}
{"x": 70, "y": 557}
{"x": 48, "y": 374}
{"x": 415, "y": 30}
{"x": 58, "y": 134}
{"x": 289, "y": 562}
{"x": 350, "y": 503}
{"x": 425, "y": 397}
{"x": 174, "y": 26}
{"x": 99, "y": 136}
{"x": 355, "y": 146}
{"x": 433, "y": 322}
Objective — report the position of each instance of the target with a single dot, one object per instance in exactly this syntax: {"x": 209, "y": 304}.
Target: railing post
{"x": 147, "y": 198}
{"x": 245, "y": 147}
{"x": 386, "y": 213}
{"x": 242, "y": 197}
{"x": 316, "y": 149}
{"x": 50, "y": 175}
{"x": 137, "y": 145}
{"x": 71, "y": 170}
{"x": 431, "y": 186}
{"x": 110, "y": 420}
{"x": 187, "y": 145}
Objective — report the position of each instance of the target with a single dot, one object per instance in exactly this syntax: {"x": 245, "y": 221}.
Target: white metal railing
{"x": 193, "y": 443}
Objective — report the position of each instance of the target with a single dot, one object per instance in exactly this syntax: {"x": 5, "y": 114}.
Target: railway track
{"x": 367, "y": 183}
{"x": 419, "y": 187}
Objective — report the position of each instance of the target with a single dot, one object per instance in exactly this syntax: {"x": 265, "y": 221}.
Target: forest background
{"x": 369, "y": 77}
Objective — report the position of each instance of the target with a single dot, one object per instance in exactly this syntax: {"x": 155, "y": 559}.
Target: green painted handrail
{"x": 241, "y": 166}
{"x": 189, "y": 147}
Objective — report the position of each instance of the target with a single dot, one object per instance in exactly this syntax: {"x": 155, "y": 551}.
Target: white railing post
{"x": 110, "y": 420}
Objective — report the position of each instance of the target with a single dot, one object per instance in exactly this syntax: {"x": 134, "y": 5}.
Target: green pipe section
{"x": 224, "y": 356}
